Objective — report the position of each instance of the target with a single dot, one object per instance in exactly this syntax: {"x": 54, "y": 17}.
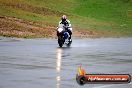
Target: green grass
{"x": 108, "y": 15}
{"x": 108, "y": 10}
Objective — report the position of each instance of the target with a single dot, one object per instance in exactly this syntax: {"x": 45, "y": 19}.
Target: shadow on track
{"x": 63, "y": 48}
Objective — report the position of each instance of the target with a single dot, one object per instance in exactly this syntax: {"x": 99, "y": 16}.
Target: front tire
{"x": 60, "y": 41}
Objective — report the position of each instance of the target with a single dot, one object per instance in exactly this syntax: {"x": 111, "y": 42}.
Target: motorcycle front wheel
{"x": 60, "y": 41}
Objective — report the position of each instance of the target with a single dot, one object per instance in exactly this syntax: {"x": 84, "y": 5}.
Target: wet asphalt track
{"x": 39, "y": 63}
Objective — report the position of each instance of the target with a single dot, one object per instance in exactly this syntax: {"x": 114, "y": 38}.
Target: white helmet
{"x": 64, "y": 17}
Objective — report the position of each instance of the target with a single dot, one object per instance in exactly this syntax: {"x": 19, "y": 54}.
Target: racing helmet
{"x": 64, "y": 17}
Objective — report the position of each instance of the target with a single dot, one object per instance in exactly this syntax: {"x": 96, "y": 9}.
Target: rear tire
{"x": 69, "y": 44}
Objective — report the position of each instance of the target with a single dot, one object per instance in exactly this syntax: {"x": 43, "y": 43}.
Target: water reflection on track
{"x": 58, "y": 66}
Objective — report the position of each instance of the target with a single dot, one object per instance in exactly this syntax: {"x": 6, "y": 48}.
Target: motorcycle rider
{"x": 67, "y": 25}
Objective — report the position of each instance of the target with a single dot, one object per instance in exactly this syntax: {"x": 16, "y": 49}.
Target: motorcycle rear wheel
{"x": 69, "y": 44}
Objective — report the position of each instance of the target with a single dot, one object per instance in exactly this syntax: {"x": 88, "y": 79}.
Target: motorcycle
{"x": 63, "y": 36}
